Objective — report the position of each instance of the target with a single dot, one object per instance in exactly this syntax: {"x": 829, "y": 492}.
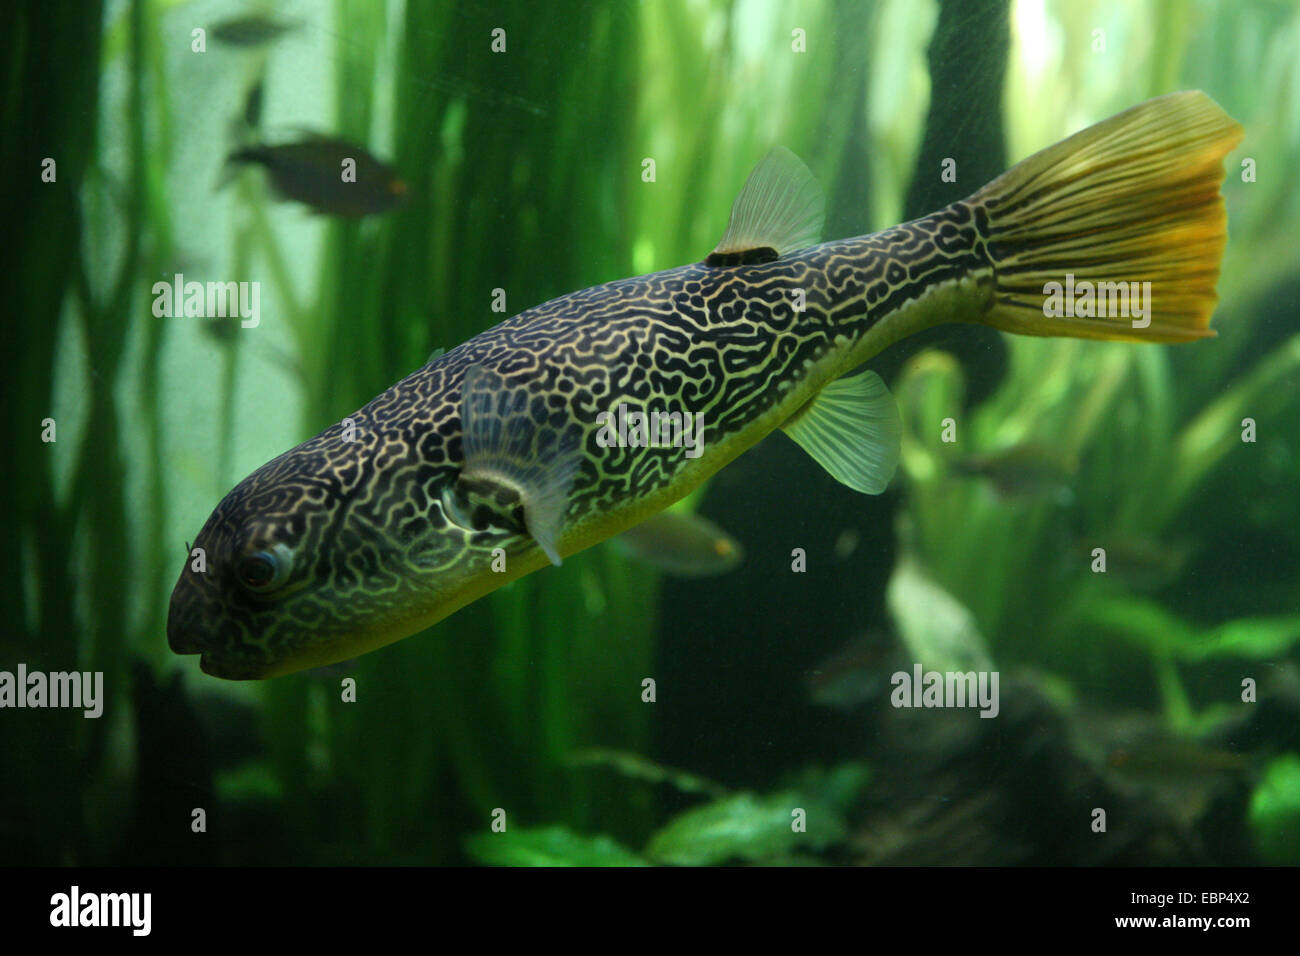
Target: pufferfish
{"x": 494, "y": 459}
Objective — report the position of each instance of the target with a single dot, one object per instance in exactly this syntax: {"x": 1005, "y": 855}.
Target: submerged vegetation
{"x": 608, "y": 140}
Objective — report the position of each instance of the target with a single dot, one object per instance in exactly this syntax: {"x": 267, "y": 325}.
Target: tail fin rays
{"x": 1133, "y": 199}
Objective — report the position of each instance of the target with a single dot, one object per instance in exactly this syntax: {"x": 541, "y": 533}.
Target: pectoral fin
{"x": 853, "y": 430}
{"x": 512, "y": 460}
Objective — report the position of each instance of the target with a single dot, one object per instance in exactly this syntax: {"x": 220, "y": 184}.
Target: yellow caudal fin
{"x": 1116, "y": 232}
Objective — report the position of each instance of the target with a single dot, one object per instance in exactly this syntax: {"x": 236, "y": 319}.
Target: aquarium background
{"x": 526, "y": 170}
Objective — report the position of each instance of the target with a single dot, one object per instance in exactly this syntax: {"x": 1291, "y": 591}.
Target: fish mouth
{"x": 184, "y": 644}
{"x": 230, "y": 670}
{"x": 214, "y": 665}
{"x": 182, "y": 640}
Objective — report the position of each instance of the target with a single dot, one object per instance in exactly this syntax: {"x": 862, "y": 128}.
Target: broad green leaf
{"x": 549, "y": 846}
{"x": 1146, "y": 623}
{"x": 1253, "y": 637}
{"x": 839, "y": 785}
{"x": 249, "y": 782}
{"x": 745, "y": 827}
{"x": 1143, "y": 622}
{"x": 938, "y": 631}
{"x": 1275, "y": 812}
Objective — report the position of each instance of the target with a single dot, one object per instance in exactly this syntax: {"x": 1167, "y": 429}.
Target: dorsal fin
{"x": 780, "y": 209}
{"x": 852, "y": 429}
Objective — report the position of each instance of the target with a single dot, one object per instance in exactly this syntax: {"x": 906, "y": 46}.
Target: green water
{"x": 1164, "y": 690}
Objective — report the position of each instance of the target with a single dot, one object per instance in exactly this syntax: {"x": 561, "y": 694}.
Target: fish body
{"x": 856, "y": 673}
{"x": 1021, "y": 471}
{"x": 1137, "y": 562}
{"x": 496, "y": 458}
{"x": 683, "y": 545}
{"x": 723, "y": 343}
{"x": 312, "y": 171}
{"x": 251, "y": 31}
{"x": 1173, "y": 759}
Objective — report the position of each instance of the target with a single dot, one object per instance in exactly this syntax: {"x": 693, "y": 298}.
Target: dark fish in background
{"x": 1170, "y": 758}
{"x": 311, "y": 170}
{"x": 1140, "y": 747}
{"x": 684, "y": 545}
{"x": 458, "y": 86}
{"x": 251, "y": 30}
{"x": 855, "y": 674}
{"x": 1190, "y": 777}
{"x": 222, "y": 328}
{"x": 1021, "y": 471}
{"x": 1140, "y": 562}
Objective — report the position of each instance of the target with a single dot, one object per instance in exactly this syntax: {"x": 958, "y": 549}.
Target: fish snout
{"x": 181, "y": 637}
{"x": 184, "y": 629}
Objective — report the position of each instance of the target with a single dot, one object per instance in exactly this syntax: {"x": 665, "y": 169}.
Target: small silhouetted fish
{"x": 1022, "y": 470}
{"x": 1140, "y": 562}
{"x": 853, "y": 675}
{"x": 222, "y": 328}
{"x": 1173, "y": 759}
{"x": 251, "y": 30}
{"x": 684, "y": 545}
{"x": 312, "y": 171}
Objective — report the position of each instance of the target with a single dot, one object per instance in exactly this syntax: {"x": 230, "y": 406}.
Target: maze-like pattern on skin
{"x": 364, "y": 520}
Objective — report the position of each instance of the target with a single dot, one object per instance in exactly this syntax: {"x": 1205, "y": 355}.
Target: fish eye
{"x": 264, "y": 571}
